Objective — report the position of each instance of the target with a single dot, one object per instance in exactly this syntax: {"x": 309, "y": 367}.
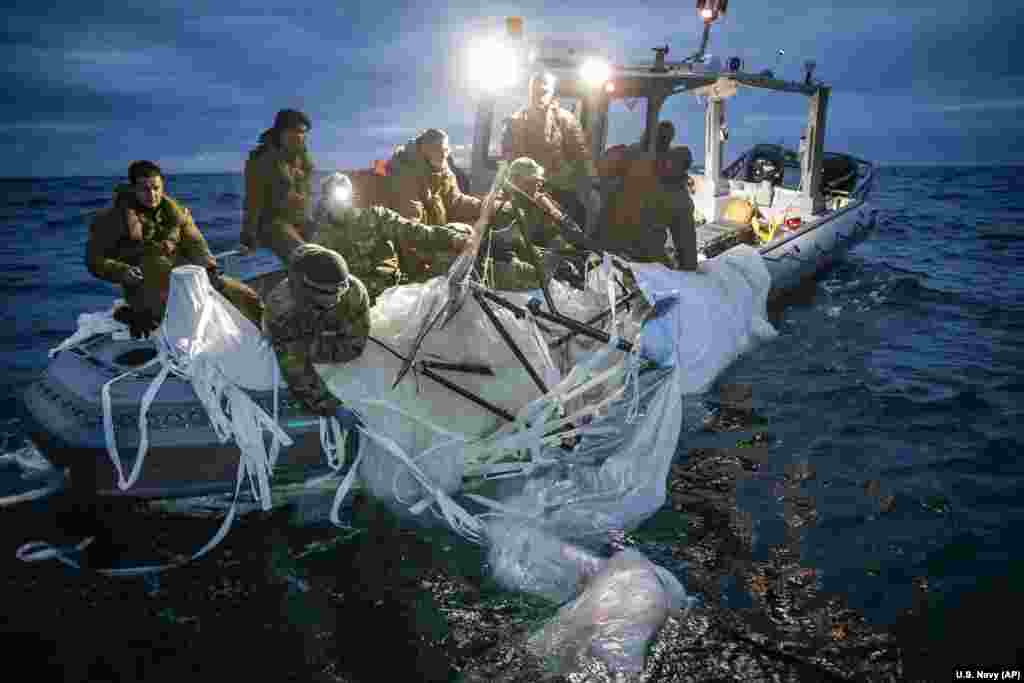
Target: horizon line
{"x": 880, "y": 164}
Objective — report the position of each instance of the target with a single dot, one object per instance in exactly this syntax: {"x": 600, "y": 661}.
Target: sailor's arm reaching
{"x": 319, "y": 314}
{"x": 383, "y": 248}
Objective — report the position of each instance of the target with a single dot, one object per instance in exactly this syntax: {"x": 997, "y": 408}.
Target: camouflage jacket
{"x": 156, "y": 240}
{"x": 542, "y": 227}
{"x": 302, "y": 336}
{"x": 553, "y": 138}
{"x": 420, "y": 193}
{"x": 278, "y": 187}
{"x": 384, "y": 249}
{"x": 662, "y": 209}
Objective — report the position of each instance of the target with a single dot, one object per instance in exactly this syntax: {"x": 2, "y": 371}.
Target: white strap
{"x": 344, "y": 488}
{"x": 36, "y": 551}
{"x": 108, "y": 424}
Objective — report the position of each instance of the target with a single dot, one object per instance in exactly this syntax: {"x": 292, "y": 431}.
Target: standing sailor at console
{"x": 552, "y": 136}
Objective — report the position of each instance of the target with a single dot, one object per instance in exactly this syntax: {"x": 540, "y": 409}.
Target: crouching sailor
{"x": 530, "y": 213}
{"x": 383, "y": 248}
{"x": 145, "y": 235}
{"x": 319, "y": 314}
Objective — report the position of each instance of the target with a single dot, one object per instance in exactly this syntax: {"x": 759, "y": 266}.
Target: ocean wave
{"x": 97, "y": 203}
{"x": 70, "y": 221}
{"x": 1001, "y": 231}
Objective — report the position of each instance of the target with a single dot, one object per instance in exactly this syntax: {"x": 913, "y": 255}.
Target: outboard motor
{"x": 838, "y": 173}
{"x": 766, "y": 162}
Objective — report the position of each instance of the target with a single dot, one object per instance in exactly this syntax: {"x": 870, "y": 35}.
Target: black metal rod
{"x": 500, "y": 412}
{"x": 596, "y": 319}
{"x": 573, "y": 325}
{"x": 578, "y": 327}
{"x": 511, "y": 342}
{"x": 473, "y": 368}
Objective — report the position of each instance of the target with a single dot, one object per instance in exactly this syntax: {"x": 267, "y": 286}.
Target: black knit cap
{"x": 291, "y": 118}
{"x": 324, "y": 269}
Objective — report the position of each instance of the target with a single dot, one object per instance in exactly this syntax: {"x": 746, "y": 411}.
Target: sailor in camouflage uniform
{"x": 319, "y": 314}
{"x": 552, "y": 233}
{"x": 278, "y": 182}
{"x": 424, "y": 188}
{"x": 551, "y": 135}
{"x": 382, "y": 248}
{"x": 145, "y": 235}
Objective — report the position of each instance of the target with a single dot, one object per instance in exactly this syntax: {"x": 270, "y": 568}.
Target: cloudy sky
{"x": 87, "y": 87}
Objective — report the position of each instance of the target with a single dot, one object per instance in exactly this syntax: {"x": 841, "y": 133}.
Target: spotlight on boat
{"x": 595, "y": 71}
{"x": 710, "y": 10}
{"x": 493, "y": 65}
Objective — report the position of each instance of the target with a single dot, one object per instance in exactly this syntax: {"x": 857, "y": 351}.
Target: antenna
{"x": 709, "y": 11}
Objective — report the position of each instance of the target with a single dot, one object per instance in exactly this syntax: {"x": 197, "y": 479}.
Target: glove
{"x": 140, "y": 323}
{"x": 324, "y": 406}
{"x": 132, "y": 277}
{"x": 216, "y": 277}
{"x": 566, "y": 271}
{"x": 572, "y": 232}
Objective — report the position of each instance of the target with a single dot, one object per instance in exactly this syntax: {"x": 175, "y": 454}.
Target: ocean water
{"x": 902, "y": 370}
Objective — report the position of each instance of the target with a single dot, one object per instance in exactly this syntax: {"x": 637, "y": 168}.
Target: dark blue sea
{"x": 899, "y": 374}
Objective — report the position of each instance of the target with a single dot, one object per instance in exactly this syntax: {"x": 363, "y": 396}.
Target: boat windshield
{"x": 626, "y": 121}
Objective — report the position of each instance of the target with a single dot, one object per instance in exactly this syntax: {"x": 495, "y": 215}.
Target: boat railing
{"x": 229, "y": 260}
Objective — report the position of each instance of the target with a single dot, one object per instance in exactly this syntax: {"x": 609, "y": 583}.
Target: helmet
{"x": 318, "y": 275}
{"x": 525, "y": 167}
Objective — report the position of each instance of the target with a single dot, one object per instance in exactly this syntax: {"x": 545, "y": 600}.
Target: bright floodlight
{"x": 595, "y": 71}
{"x": 338, "y": 188}
{"x": 342, "y": 194}
{"x": 493, "y": 66}
{"x": 707, "y": 14}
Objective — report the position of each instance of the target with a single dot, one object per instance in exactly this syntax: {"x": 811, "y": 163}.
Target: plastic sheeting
{"x": 628, "y": 421}
{"x": 612, "y": 606}
{"x": 534, "y": 493}
{"x": 537, "y": 496}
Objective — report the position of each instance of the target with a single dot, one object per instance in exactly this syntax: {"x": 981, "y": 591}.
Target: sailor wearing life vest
{"x": 141, "y": 238}
{"x": 423, "y": 186}
{"x": 278, "y": 181}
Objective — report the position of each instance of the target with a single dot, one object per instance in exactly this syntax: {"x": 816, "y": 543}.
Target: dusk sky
{"x": 90, "y": 86}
